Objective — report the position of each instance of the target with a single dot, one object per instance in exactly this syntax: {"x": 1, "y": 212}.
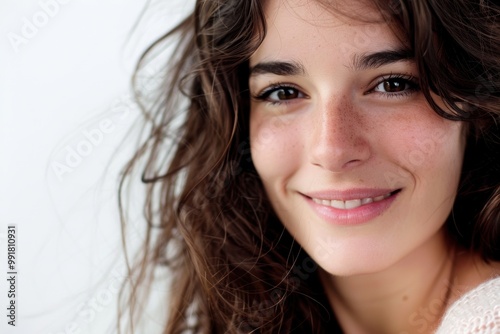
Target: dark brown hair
{"x": 233, "y": 264}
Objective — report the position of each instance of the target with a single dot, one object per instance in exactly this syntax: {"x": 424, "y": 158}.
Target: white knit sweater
{"x": 476, "y": 312}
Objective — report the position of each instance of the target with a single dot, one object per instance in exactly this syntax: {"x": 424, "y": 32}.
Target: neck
{"x": 410, "y": 296}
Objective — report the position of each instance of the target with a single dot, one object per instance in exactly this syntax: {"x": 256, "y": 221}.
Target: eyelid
{"x": 275, "y": 86}
{"x": 410, "y": 78}
{"x": 266, "y": 92}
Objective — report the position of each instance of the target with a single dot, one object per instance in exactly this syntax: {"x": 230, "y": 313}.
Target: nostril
{"x": 353, "y": 163}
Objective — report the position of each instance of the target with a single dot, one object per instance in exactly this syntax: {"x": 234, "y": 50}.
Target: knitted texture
{"x": 477, "y": 311}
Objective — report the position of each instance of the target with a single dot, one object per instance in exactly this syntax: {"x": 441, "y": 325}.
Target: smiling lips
{"x": 350, "y": 204}
{"x": 351, "y": 207}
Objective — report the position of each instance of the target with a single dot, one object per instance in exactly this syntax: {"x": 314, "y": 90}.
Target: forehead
{"x": 298, "y": 29}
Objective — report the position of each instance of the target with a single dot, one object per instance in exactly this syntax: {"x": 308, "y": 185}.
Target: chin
{"x": 354, "y": 265}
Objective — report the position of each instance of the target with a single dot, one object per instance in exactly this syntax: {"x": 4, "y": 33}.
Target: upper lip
{"x": 349, "y": 194}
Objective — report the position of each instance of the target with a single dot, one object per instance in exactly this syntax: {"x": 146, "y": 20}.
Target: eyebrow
{"x": 381, "y": 58}
{"x": 358, "y": 62}
{"x": 278, "y": 68}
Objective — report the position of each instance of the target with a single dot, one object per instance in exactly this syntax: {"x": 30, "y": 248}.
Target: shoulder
{"x": 477, "y": 311}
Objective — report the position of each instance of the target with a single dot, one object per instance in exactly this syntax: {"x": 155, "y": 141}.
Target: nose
{"x": 339, "y": 140}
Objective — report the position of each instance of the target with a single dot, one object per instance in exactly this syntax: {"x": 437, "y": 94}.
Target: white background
{"x": 65, "y": 91}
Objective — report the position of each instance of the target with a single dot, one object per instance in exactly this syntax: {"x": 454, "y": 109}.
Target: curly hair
{"x": 234, "y": 265}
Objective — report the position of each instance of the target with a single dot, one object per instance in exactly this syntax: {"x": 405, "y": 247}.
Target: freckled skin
{"x": 343, "y": 135}
{"x": 342, "y": 129}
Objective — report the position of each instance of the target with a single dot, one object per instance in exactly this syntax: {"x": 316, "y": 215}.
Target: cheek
{"x": 434, "y": 148}
{"x": 422, "y": 146}
{"x": 275, "y": 147}
{"x": 428, "y": 159}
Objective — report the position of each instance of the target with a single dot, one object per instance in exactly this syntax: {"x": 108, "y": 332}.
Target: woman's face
{"x": 357, "y": 166}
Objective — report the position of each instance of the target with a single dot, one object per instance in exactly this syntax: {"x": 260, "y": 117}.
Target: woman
{"x": 336, "y": 168}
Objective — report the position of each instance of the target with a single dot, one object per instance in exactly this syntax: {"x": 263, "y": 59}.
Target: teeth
{"x": 366, "y": 201}
{"x": 350, "y": 204}
{"x": 337, "y": 204}
{"x": 379, "y": 198}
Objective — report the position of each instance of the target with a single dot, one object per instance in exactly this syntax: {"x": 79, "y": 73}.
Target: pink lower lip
{"x": 359, "y": 215}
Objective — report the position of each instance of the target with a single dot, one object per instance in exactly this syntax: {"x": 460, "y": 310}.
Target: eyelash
{"x": 264, "y": 95}
{"x": 409, "y": 80}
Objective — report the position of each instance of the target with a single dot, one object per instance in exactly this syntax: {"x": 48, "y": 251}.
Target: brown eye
{"x": 286, "y": 93}
{"x": 281, "y": 94}
{"x": 396, "y": 85}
